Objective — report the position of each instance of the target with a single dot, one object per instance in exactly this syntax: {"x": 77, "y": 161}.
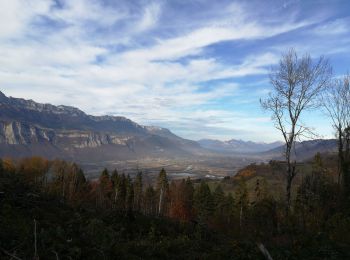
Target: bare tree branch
{"x": 297, "y": 83}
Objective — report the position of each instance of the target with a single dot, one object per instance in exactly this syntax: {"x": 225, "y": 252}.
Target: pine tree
{"x": 129, "y": 199}
{"x": 219, "y": 204}
{"x": 162, "y": 190}
{"x": 188, "y": 198}
{"x": 150, "y": 201}
{"x": 121, "y": 192}
{"x": 203, "y": 203}
{"x": 115, "y": 179}
{"x": 138, "y": 191}
{"x": 243, "y": 200}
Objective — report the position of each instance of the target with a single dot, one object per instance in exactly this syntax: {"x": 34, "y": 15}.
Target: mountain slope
{"x": 304, "y": 150}
{"x": 28, "y": 128}
{"x": 237, "y": 146}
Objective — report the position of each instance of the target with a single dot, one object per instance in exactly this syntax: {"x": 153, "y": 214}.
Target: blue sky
{"x": 196, "y": 67}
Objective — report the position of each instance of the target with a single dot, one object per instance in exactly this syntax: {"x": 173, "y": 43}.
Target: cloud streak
{"x": 207, "y": 65}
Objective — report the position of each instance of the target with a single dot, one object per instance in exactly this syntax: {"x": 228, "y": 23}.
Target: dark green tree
{"x": 129, "y": 199}
{"x": 162, "y": 190}
{"x": 203, "y": 202}
{"x": 121, "y": 191}
{"x": 150, "y": 201}
{"x": 138, "y": 186}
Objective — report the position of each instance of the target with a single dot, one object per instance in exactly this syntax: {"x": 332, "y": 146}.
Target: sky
{"x": 196, "y": 67}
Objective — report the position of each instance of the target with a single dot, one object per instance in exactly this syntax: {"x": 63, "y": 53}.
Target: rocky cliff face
{"x": 20, "y": 133}
{"x": 25, "y": 134}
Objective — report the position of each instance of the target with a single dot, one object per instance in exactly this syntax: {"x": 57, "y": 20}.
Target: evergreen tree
{"x": 162, "y": 190}
{"x": 243, "y": 200}
{"x": 219, "y": 205}
{"x": 121, "y": 192}
{"x": 129, "y": 195}
{"x": 115, "y": 178}
{"x": 229, "y": 209}
{"x": 138, "y": 191}
{"x": 188, "y": 198}
{"x": 203, "y": 202}
{"x": 150, "y": 201}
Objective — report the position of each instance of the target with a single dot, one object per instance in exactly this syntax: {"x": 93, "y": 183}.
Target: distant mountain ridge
{"x": 29, "y": 128}
{"x": 237, "y": 146}
{"x": 304, "y": 150}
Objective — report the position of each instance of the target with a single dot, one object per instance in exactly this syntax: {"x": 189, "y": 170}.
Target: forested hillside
{"x": 50, "y": 211}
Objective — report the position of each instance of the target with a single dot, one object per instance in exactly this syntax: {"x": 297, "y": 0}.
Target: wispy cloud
{"x": 336, "y": 27}
{"x": 166, "y": 63}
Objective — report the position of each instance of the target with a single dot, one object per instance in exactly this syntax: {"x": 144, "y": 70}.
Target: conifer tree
{"x": 129, "y": 199}
{"x": 150, "y": 201}
{"x": 203, "y": 202}
{"x": 243, "y": 200}
{"x": 162, "y": 190}
{"x": 138, "y": 191}
{"x": 121, "y": 192}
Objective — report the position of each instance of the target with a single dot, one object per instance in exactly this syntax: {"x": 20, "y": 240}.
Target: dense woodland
{"x": 50, "y": 211}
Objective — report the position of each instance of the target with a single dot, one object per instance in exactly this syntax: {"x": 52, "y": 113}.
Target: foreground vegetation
{"x": 50, "y": 211}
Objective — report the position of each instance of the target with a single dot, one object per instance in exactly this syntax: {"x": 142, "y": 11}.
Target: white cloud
{"x": 101, "y": 59}
{"x": 150, "y": 17}
{"x": 336, "y": 27}
{"x": 78, "y": 12}
{"x": 192, "y": 43}
{"x": 15, "y": 15}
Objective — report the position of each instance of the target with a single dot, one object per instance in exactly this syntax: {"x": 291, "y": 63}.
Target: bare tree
{"x": 336, "y": 101}
{"x": 297, "y": 82}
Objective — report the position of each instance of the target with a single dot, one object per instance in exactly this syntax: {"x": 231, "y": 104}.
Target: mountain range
{"x": 237, "y": 146}
{"x": 304, "y": 150}
{"x": 29, "y": 128}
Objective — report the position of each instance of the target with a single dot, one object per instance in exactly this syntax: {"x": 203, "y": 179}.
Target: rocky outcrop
{"x": 13, "y": 133}
{"x": 21, "y": 133}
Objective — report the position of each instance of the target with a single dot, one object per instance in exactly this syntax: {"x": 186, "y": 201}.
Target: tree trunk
{"x": 340, "y": 155}
{"x": 160, "y": 201}
{"x": 290, "y": 175}
{"x": 346, "y": 164}
{"x": 241, "y": 215}
{"x": 35, "y": 243}
{"x": 288, "y": 194}
{"x": 264, "y": 251}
